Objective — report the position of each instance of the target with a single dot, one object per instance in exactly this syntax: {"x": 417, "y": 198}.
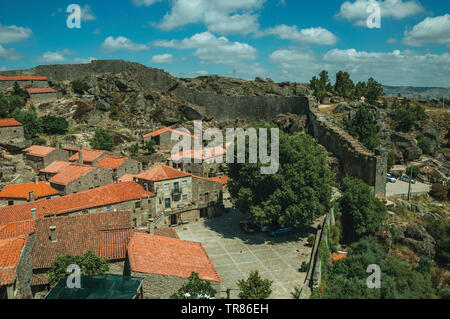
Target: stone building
{"x": 88, "y": 156}
{"x": 43, "y": 94}
{"x": 105, "y": 234}
{"x": 16, "y": 244}
{"x": 11, "y": 131}
{"x": 180, "y": 197}
{"x": 127, "y": 196}
{"x": 166, "y": 264}
{"x": 7, "y": 82}
{"x": 163, "y": 137}
{"x": 119, "y": 166}
{"x": 40, "y": 157}
{"x": 77, "y": 177}
{"x": 28, "y": 192}
{"x": 54, "y": 168}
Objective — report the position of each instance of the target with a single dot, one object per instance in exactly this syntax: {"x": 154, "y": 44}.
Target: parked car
{"x": 280, "y": 231}
{"x": 248, "y": 227}
{"x": 406, "y": 178}
{"x": 391, "y": 178}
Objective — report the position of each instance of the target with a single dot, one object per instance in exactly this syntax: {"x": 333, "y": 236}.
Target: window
{"x": 137, "y": 205}
{"x": 167, "y": 203}
{"x": 176, "y": 187}
{"x": 185, "y": 197}
{"x": 183, "y": 184}
{"x": 176, "y": 198}
{"x": 166, "y": 187}
{"x": 108, "y": 208}
{"x": 10, "y": 202}
{"x": 96, "y": 177}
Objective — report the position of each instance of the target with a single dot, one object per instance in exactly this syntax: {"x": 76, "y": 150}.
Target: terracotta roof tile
{"x": 161, "y": 173}
{"x": 220, "y": 179}
{"x": 38, "y": 151}
{"x": 39, "y": 279}
{"x": 40, "y": 90}
{"x": 10, "y": 251}
{"x": 127, "y": 178}
{"x": 168, "y": 256}
{"x": 70, "y": 173}
{"x": 97, "y": 197}
{"x": 55, "y": 167}
{"x": 88, "y": 155}
{"x": 338, "y": 256}
{"x": 9, "y": 122}
{"x": 23, "y": 78}
{"x": 166, "y": 232}
{"x": 111, "y": 162}
{"x": 204, "y": 155}
{"x": 165, "y": 130}
{"x": 106, "y": 234}
{"x": 22, "y": 191}
{"x": 16, "y": 229}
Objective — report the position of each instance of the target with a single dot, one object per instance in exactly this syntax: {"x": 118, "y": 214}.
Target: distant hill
{"x": 422, "y": 92}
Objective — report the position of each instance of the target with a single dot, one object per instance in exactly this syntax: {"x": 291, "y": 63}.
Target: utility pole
{"x": 410, "y": 180}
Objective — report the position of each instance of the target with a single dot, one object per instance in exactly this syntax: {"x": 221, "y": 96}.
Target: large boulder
{"x": 417, "y": 238}
{"x": 407, "y": 145}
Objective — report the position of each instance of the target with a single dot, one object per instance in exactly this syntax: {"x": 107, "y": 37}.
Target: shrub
{"x": 415, "y": 171}
{"x": 102, "y": 140}
{"x": 54, "y": 125}
{"x": 304, "y": 267}
{"x": 39, "y": 141}
{"x": 79, "y": 86}
{"x": 439, "y": 192}
{"x": 311, "y": 239}
{"x": 254, "y": 287}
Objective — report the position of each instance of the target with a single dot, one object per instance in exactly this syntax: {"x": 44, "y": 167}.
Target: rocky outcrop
{"x": 407, "y": 145}
{"x": 416, "y": 237}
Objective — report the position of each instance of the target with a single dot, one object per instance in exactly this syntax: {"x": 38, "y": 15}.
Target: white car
{"x": 391, "y": 178}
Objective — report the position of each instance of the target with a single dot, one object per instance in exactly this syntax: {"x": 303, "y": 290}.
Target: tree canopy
{"x": 196, "y": 288}
{"x": 53, "y": 125}
{"x": 364, "y": 127}
{"x": 102, "y": 140}
{"x": 255, "y": 287}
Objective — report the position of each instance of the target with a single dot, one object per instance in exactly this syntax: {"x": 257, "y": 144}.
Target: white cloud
{"x": 430, "y": 31}
{"x": 146, "y": 3}
{"x": 213, "y": 50}
{"x": 87, "y": 14}
{"x": 9, "y": 54}
{"x": 121, "y": 43}
{"x": 398, "y": 9}
{"x": 390, "y": 68}
{"x": 83, "y": 60}
{"x": 223, "y": 17}
{"x": 3, "y": 68}
{"x": 12, "y": 33}
{"x": 391, "y": 40}
{"x": 319, "y": 35}
{"x": 55, "y": 57}
{"x": 162, "y": 59}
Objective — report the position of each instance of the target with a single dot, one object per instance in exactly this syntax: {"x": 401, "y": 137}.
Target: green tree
{"x": 407, "y": 116}
{"x": 79, "y": 86}
{"x": 415, "y": 170}
{"x": 440, "y": 230}
{"x": 390, "y": 161}
{"x": 344, "y": 85}
{"x": 364, "y": 127}
{"x": 362, "y": 212}
{"x": 15, "y": 102}
{"x": 360, "y": 90}
{"x": 134, "y": 149}
{"x": 18, "y": 91}
{"x": 296, "y": 195}
{"x": 374, "y": 91}
{"x": 89, "y": 264}
{"x": 149, "y": 146}
{"x": 54, "y": 125}
{"x": 4, "y": 107}
{"x": 254, "y": 287}
{"x": 102, "y": 140}
{"x": 196, "y": 288}
{"x": 30, "y": 122}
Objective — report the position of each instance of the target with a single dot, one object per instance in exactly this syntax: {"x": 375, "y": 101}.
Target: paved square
{"x": 235, "y": 253}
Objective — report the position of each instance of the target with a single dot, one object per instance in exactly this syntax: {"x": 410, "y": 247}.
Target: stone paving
{"x": 235, "y": 253}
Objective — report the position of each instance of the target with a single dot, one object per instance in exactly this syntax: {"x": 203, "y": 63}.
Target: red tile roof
{"x": 41, "y": 90}
{"x": 220, "y": 179}
{"x": 111, "y": 162}
{"x": 23, "y": 78}
{"x": 70, "y": 173}
{"x": 38, "y": 151}
{"x": 22, "y": 191}
{"x": 161, "y": 173}
{"x": 168, "y": 129}
{"x": 154, "y": 254}
{"x": 338, "y": 256}
{"x": 166, "y": 232}
{"x": 16, "y": 229}
{"x": 55, "y": 167}
{"x": 87, "y": 155}
{"x": 39, "y": 279}
{"x": 9, "y": 123}
{"x": 106, "y": 234}
{"x": 127, "y": 178}
{"x": 97, "y": 197}
{"x": 10, "y": 251}
{"x": 205, "y": 154}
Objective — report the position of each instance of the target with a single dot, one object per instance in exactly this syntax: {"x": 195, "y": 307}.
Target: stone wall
{"x": 38, "y": 163}
{"x": 94, "y": 178}
{"x": 25, "y": 269}
{"x": 11, "y": 133}
{"x": 41, "y": 97}
{"x": 5, "y": 85}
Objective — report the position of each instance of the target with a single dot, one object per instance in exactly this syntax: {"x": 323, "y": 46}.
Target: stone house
{"x": 53, "y": 169}
{"x": 77, "y": 177}
{"x": 88, "y": 156}
{"x": 39, "y": 157}
{"x": 163, "y": 139}
{"x": 127, "y": 196}
{"x": 16, "y": 244}
{"x": 180, "y": 197}
{"x": 106, "y": 234}
{"x": 11, "y": 131}
{"x": 28, "y": 192}
{"x": 166, "y": 264}
{"x": 119, "y": 166}
{"x": 7, "y": 82}
{"x": 43, "y": 94}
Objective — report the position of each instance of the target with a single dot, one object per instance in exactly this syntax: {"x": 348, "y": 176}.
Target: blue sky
{"x": 286, "y": 40}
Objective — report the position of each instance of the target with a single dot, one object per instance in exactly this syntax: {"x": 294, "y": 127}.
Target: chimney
{"x": 33, "y": 213}
{"x": 53, "y": 234}
{"x": 31, "y": 196}
{"x": 80, "y": 157}
{"x": 151, "y": 226}
{"x": 36, "y": 179}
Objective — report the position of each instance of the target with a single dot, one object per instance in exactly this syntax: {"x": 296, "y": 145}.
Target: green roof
{"x": 105, "y": 286}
